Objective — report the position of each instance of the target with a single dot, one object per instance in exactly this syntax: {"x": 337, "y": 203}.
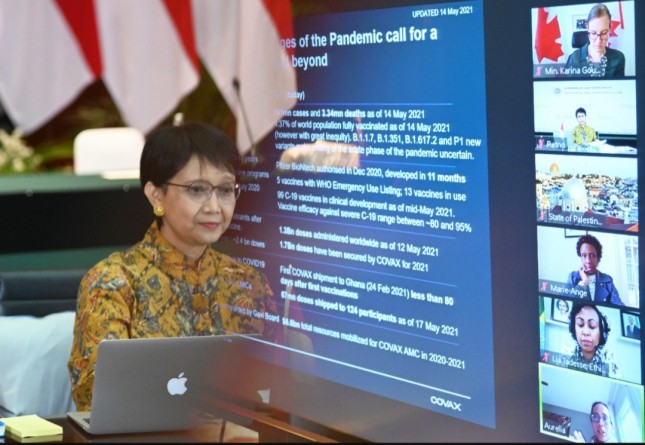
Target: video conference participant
{"x": 173, "y": 283}
{"x": 583, "y": 133}
{"x": 601, "y": 423}
{"x": 596, "y": 286}
{"x": 590, "y": 329}
{"x": 595, "y": 58}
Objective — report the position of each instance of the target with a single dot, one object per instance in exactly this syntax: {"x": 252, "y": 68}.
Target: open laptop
{"x": 158, "y": 384}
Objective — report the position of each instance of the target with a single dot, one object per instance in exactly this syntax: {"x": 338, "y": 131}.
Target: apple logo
{"x": 177, "y": 385}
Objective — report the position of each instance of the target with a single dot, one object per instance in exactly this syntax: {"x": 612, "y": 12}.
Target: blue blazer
{"x": 605, "y": 292}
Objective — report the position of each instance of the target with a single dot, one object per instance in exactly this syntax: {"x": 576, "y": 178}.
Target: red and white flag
{"x": 147, "y": 53}
{"x": 617, "y": 22}
{"x": 547, "y": 37}
{"x": 43, "y": 68}
{"x": 239, "y": 43}
{"x": 149, "y": 57}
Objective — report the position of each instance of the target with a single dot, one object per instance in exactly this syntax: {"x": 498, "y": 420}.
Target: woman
{"x": 173, "y": 283}
{"x": 588, "y": 280}
{"x": 595, "y": 58}
{"x": 590, "y": 330}
{"x": 601, "y": 424}
{"x": 583, "y": 133}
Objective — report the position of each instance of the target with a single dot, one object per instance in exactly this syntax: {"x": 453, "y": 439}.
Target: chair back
{"x": 101, "y": 150}
{"x": 39, "y": 292}
{"x": 579, "y": 38}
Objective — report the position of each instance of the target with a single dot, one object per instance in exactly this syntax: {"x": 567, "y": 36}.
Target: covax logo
{"x": 445, "y": 403}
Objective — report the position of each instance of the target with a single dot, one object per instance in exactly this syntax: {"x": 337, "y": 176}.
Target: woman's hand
{"x": 578, "y": 437}
{"x": 584, "y": 278}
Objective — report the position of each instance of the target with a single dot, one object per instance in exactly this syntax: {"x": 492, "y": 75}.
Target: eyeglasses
{"x": 595, "y": 418}
{"x": 604, "y": 35}
{"x": 201, "y": 191}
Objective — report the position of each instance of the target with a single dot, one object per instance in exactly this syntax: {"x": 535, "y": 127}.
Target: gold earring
{"x": 159, "y": 211}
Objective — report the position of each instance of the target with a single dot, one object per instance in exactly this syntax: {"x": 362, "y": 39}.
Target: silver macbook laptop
{"x": 157, "y": 384}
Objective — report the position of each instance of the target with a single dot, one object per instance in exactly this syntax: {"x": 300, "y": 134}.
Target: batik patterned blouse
{"x": 153, "y": 290}
{"x": 583, "y": 135}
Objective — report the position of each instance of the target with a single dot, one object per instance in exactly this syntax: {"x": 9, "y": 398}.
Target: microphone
{"x": 236, "y": 87}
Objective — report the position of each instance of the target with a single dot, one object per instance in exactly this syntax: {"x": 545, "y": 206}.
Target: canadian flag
{"x": 615, "y": 24}
{"x": 547, "y": 35}
{"x": 147, "y": 53}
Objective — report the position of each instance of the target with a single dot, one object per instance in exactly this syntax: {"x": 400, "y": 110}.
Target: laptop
{"x": 147, "y": 385}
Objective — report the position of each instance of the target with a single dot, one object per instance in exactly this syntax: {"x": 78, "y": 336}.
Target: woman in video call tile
{"x": 601, "y": 423}
{"x": 583, "y": 133}
{"x": 595, "y": 58}
{"x": 589, "y": 328}
{"x": 593, "y": 284}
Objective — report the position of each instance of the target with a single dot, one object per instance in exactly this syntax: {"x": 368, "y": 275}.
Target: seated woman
{"x": 583, "y": 133}
{"x": 594, "y": 285}
{"x": 589, "y": 328}
{"x": 595, "y": 58}
{"x": 173, "y": 282}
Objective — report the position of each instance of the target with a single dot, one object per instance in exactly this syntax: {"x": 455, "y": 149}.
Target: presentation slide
{"x": 436, "y": 167}
{"x": 362, "y": 203}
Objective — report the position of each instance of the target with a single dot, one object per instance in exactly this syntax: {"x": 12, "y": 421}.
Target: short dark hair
{"x": 589, "y": 239}
{"x": 168, "y": 149}
{"x": 603, "y": 324}
{"x": 581, "y": 110}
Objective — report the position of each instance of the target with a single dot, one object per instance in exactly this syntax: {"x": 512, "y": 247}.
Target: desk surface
{"x": 72, "y": 433}
{"x": 264, "y": 426}
{"x": 210, "y": 434}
